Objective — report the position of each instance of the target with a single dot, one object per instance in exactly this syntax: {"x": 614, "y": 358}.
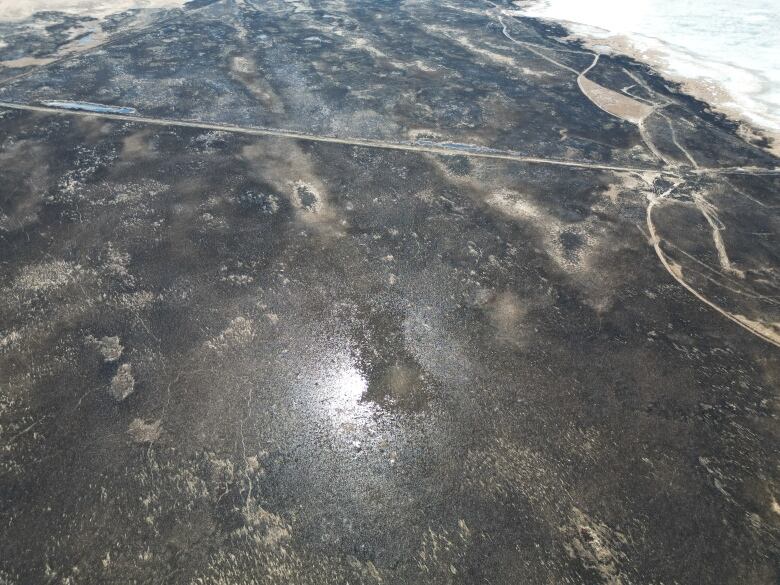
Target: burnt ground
{"x": 379, "y": 293}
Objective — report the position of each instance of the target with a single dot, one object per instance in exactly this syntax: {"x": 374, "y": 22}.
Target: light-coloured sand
{"x": 22, "y": 9}
{"x": 613, "y": 102}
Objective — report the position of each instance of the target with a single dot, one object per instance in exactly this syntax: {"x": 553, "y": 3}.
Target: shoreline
{"x": 715, "y": 97}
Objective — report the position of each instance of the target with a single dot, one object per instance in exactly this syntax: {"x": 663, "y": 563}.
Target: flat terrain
{"x": 377, "y": 292}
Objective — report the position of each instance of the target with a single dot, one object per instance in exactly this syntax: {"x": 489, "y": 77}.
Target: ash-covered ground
{"x": 377, "y": 292}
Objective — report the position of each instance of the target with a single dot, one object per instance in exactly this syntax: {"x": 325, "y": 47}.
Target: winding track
{"x": 764, "y": 333}
{"x": 705, "y": 208}
{"x": 447, "y": 150}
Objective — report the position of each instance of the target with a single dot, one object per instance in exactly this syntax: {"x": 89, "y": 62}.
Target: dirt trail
{"x": 366, "y": 142}
{"x": 764, "y": 331}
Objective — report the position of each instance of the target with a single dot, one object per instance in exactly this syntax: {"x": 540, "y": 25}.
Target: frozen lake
{"x": 725, "y": 51}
